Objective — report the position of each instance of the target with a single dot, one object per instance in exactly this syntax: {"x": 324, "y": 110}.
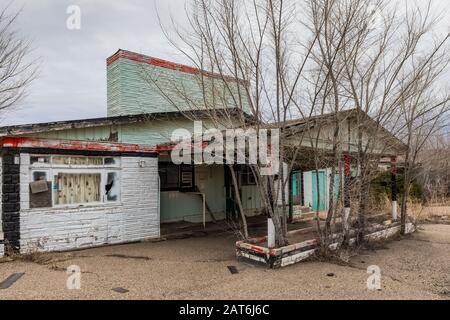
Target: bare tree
{"x": 250, "y": 42}
{"x": 433, "y": 172}
{"x": 342, "y": 60}
{"x": 378, "y": 68}
{"x": 16, "y": 69}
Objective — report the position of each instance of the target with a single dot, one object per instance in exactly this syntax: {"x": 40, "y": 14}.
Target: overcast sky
{"x": 72, "y": 79}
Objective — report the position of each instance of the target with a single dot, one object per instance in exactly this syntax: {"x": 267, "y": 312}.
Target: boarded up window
{"x": 77, "y": 188}
{"x": 40, "y": 190}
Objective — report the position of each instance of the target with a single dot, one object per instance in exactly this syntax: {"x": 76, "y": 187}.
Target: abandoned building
{"x": 75, "y": 184}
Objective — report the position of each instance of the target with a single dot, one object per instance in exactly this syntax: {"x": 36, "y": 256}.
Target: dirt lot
{"x": 196, "y": 268}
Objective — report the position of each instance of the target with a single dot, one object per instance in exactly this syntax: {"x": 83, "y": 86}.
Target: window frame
{"x": 245, "y": 176}
{"x": 55, "y": 169}
{"x": 182, "y": 168}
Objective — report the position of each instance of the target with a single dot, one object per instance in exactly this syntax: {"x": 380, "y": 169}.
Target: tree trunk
{"x": 405, "y": 196}
{"x": 239, "y": 202}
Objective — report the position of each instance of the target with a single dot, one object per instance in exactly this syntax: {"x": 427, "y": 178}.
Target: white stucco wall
{"x": 135, "y": 218}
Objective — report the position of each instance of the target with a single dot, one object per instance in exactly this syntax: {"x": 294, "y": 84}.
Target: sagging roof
{"x": 24, "y": 129}
{"x": 300, "y": 125}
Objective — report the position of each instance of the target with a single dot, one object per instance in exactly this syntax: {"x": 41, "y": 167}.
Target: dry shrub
{"x": 35, "y": 257}
{"x": 380, "y": 203}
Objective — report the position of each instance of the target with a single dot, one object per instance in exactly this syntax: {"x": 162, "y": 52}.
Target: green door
{"x": 296, "y": 188}
{"x": 319, "y": 203}
{"x": 336, "y": 188}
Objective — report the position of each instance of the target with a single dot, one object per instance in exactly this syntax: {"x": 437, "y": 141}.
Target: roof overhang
{"x": 75, "y": 145}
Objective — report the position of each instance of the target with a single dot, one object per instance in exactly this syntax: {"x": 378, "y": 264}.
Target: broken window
{"x": 111, "y": 161}
{"x": 40, "y": 159}
{"x": 169, "y": 175}
{"x": 69, "y": 180}
{"x": 112, "y": 186}
{"x": 77, "y": 188}
{"x": 176, "y": 178}
{"x": 40, "y": 190}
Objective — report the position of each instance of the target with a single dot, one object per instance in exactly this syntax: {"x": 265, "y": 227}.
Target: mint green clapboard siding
{"x": 153, "y": 132}
{"x": 150, "y": 133}
{"x": 100, "y": 133}
{"x": 157, "y": 131}
{"x": 136, "y": 87}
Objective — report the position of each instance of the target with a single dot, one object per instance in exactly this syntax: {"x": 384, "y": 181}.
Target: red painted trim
{"x": 168, "y": 65}
{"x": 347, "y": 165}
{"x": 394, "y": 166}
{"x": 25, "y": 142}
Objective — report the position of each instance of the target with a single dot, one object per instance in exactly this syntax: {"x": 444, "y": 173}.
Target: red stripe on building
{"x": 168, "y": 65}
{"x": 26, "y": 142}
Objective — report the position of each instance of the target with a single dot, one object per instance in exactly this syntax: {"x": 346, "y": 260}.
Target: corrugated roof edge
{"x": 138, "y": 57}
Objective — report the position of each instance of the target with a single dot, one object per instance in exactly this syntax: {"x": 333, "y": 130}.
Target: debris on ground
{"x": 233, "y": 269}
{"x": 120, "y": 290}
{"x": 8, "y": 282}
{"x": 125, "y": 256}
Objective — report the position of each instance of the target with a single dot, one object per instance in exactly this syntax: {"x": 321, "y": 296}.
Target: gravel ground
{"x": 414, "y": 268}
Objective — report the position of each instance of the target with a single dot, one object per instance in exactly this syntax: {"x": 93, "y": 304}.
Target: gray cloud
{"x": 72, "y": 80}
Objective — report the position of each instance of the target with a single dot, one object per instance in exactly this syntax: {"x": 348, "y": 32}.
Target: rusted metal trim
{"x": 138, "y": 57}
{"x": 24, "y": 142}
{"x": 24, "y": 129}
{"x": 276, "y": 258}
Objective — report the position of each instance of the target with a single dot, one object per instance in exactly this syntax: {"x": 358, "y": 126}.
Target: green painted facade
{"x": 174, "y": 205}
{"x": 137, "y": 87}
{"x": 150, "y": 133}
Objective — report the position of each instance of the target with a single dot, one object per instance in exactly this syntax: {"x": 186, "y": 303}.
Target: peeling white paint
{"x": 295, "y": 258}
{"x": 135, "y": 218}
{"x": 300, "y": 256}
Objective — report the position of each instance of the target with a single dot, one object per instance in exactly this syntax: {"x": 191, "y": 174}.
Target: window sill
{"x": 74, "y": 207}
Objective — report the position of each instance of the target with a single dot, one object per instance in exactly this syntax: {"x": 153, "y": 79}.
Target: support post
{"x": 270, "y": 234}
{"x": 347, "y": 175}
{"x": 291, "y": 200}
{"x": 394, "y": 188}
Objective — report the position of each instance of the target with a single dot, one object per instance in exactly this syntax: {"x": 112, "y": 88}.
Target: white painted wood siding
{"x": 135, "y": 218}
